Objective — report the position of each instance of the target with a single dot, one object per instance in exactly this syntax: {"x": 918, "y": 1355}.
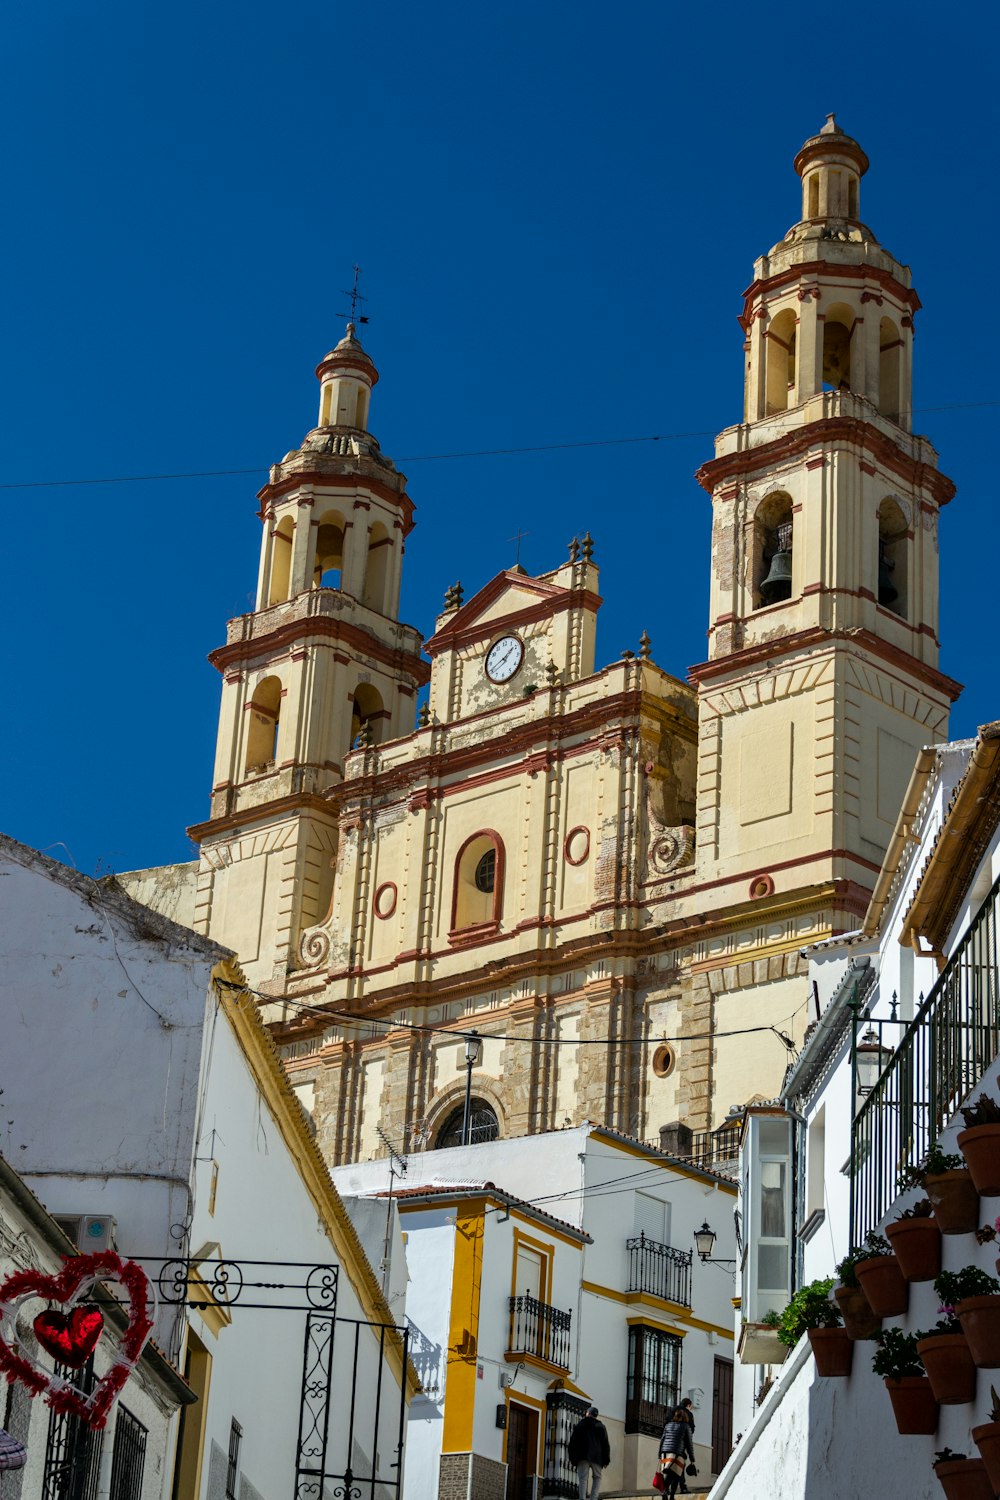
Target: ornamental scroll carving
{"x": 670, "y": 848}
{"x": 314, "y": 947}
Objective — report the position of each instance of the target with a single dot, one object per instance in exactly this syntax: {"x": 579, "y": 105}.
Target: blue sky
{"x": 556, "y": 208}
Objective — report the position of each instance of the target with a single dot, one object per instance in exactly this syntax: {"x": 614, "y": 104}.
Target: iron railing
{"x": 72, "y": 1449}
{"x": 926, "y": 1068}
{"x": 652, "y": 1387}
{"x": 563, "y": 1411}
{"x": 717, "y": 1150}
{"x": 539, "y": 1330}
{"x": 659, "y": 1269}
{"x": 128, "y": 1457}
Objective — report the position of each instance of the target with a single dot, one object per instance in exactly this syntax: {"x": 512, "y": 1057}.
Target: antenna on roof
{"x": 397, "y": 1164}
{"x": 356, "y": 300}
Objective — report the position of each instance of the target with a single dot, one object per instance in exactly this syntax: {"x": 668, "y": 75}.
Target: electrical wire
{"x": 427, "y": 458}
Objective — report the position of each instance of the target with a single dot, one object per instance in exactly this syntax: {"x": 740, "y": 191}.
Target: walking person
{"x": 676, "y": 1450}
{"x": 687, "y": 1407}
{"x": 590, "y": 1451}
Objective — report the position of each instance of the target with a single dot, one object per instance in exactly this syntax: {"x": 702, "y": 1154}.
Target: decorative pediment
{"x": 511, "y": 598}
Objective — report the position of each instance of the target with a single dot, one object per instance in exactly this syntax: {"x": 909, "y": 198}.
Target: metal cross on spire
{"x": 356, "y": 299}
{"x": 518, "y": 538}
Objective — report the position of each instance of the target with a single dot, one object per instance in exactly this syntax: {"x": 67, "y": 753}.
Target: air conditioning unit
{"x": 89, "y": 1232}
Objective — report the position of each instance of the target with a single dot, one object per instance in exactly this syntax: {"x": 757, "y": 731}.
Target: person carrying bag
{"x": 676, "y": 1450}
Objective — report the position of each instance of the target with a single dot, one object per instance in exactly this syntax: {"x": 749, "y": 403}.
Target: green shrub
{"x": 811, "y": 1307}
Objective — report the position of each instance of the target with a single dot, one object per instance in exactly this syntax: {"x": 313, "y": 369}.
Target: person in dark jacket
{"x": 687, "y": 1407}
{"x": 590, "y": 1451}
{"x": 676, "y": 1450}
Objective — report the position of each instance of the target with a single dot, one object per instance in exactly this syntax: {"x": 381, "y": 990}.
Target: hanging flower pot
{"x": 833, "y": 1350}
{"x": 949, "y": 1367}
{"x": 987, "y": 1440}
{"x": 916, "y": 1244}
{"x": 913, "y": 1404}
{"x": 981, "y": 1148}
{"x": 882, "y": 1281}
{"x": 859, "y": 1320}
{"x": 980, "y": 1320}
{"x": 964, "y": 1479}
{"x": 954, "y": 1200}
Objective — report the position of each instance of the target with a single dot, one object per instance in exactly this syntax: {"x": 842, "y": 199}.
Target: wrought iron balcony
{"x": 659, "y": 1270}
{"x": 925, "y": 1069}
{"x": 539, "y": 1330}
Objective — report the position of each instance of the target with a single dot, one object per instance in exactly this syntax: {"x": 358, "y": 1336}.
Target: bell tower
{"x": 822, "y": 679}
{"x": 322, "y": 663}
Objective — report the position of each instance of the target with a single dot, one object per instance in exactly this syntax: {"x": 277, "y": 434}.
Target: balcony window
{"x": 659, "y": 1270}
{"x": 654, "y": 1379}
{"x": 539, "y": 1331}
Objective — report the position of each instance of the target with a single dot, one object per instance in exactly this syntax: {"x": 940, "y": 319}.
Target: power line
{"x": 426, "y": 458}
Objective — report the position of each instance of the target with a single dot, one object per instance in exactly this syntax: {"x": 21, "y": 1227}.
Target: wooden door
{"x": 522, "y": 1451}
{"x": 722, "y": 1413}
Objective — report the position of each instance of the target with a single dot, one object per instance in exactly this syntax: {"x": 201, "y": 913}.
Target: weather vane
{"x": 356, "y": 299}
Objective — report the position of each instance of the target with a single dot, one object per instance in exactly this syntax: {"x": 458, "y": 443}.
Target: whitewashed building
{"x": 149, "y": 1110}
{"x": 546, "y": 1273}
{"x": 906, "y": 1032}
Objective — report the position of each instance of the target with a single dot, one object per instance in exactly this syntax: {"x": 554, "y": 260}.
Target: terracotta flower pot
{"x": 913, "y": 1404}
{"x": 980, "y": 1320}
{"x": 954, "y": 1200}
{"x": 987, "y": 1440}
{"x": 859, "y": 1320}
{"x": 980, "y": 1145}
{"x": 916, "y": 1244}
{"x": 833, "y": 1350}
{"x": 883, "y": 1284}
{"x": 964, "y": 1479}
{"x": 949, "y": 1367}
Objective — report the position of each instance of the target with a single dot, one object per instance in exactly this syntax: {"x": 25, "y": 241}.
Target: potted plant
{"x": 759, "y": 1343}
{"x": 987, "y": 1439}
{"x": 880, "y": 1276}
{"x": 811, "y": 1312}
{"x": 859, "y": 1320}
{"x": 979, "y": 1143}
{"x": 945, "y": 1179}
{"x": 975, "y": 1296}
{"x": 916, "y": 1242}
{"x": 988, "y": 1233}
{"x": 946, "y": 1358}
{"x": 898, "y": 1362}
{"x": 962, "y": 1478}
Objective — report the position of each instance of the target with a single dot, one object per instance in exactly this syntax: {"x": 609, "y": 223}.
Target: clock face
{"x": 503, "y": 658}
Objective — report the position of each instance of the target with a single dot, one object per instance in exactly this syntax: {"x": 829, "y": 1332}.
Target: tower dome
{"x": 346, "y": 376}
{"x": 831, "y": 166}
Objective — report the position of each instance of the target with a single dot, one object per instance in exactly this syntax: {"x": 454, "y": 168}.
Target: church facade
{"x": 606, "y": 873}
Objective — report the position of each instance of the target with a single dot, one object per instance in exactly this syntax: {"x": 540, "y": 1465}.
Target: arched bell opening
{"x": 772, "y": 551}
{"x": 329, "y": 562}
{"x": 893, "y": 557}
{"x": 890, "y": 370}
{"x": 368, "y": 717}
{"x": 377, "y": 568}
{"x": 264, "y": 726}
{"x": 838, "y": 332}
{"x": 281, "y": 561}
{"x": 779, "y": 362}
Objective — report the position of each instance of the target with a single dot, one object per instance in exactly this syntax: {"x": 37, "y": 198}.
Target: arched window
{"x": 483, "y": 1125}
{"x": 838, "y": 327}
{"x": 329, "y": 553}
{"x": 779, "y": 346}
{"x": 772, "y": 551}
{"x": 281, "y": 560}
{"x": 265, "y": 720}
{"x": 890, "y": 368}
{"x": 368, "y": 716}
{"x": 893, "y": 556}
{"x": 377, "y": 568}
{"x": 477, "y": 899}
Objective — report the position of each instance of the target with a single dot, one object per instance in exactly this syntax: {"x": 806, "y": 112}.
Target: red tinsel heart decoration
{"x": 69, "y": 1339}
{"x": 77, "y": 1277}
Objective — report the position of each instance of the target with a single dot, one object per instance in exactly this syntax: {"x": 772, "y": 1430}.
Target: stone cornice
{"x": 827, "y": 270}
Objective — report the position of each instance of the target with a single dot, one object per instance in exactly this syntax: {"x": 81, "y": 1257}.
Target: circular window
{"x": 664, "y": 1059}
{"x": 486, "y": 871}
{"x": 483, "y": 1125}
{"x": 761, "y": 885}
{"x": 384, "y": 903}
{"x": 577, "y": 845}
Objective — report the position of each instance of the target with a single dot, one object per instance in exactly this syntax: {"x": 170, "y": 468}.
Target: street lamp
{"x": 473, "y": 1052}
{"x": 871, "y": 1059}
{"x": 704, "y": 1243}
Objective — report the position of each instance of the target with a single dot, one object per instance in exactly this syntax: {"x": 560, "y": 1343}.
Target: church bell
{"x": 778, "y": 583}
{"x": 888, "y": 593}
